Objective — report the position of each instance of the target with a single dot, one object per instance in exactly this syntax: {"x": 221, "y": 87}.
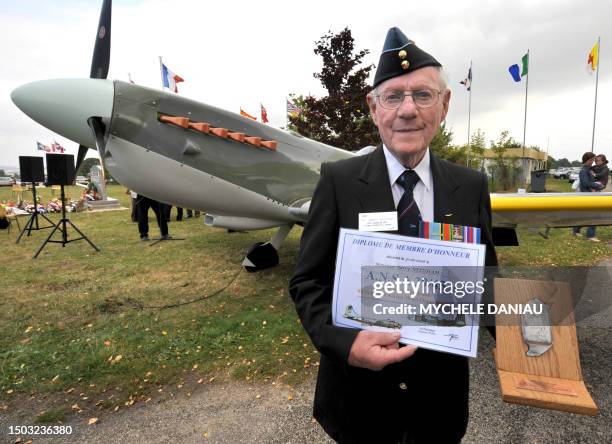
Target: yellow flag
{"x": 593, "y": 60}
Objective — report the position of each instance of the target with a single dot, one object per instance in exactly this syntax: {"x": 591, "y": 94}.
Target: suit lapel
{"x": 444, "y": 187}
{"x": 373, "y": 184}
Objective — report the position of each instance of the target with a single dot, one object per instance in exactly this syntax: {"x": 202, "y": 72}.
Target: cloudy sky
{"x": 241, "y": 53}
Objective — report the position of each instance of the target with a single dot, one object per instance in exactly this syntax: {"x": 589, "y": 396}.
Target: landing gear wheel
{"x": 260, "y": 256}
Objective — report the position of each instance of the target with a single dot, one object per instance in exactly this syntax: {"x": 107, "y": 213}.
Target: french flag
{"x": 170, "y": 79}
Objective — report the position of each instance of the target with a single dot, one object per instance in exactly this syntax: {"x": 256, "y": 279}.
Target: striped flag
{"x": 170, "y": 79}
{"x": 264, "y": 114}
{"x": 57, "y": 148}
{"x": 245, "y": 114}
{"x": 292, "y": 108}
{"x": 593, "y": 59}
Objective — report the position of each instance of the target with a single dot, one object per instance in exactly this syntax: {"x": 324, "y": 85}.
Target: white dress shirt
{"x": 423, "y": 190}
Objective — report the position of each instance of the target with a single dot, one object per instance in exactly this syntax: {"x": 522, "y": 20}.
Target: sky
{"x": 236, "y": 54}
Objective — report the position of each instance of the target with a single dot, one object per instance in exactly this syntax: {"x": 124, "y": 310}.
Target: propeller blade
{"x": 80, "y": 156}
{"x": 98, "y": 129}
{"x": 101, "y": 53}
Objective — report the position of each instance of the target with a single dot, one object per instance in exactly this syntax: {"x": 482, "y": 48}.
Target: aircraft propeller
{"x": 99, "y": 70}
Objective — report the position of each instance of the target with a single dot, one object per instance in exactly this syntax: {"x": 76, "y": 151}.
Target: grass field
{"x": 86, "y": 328}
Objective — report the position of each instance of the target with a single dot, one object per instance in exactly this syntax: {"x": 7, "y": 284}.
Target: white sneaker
{"x": 593, "y": 239}
{"x": 577, "y": 234}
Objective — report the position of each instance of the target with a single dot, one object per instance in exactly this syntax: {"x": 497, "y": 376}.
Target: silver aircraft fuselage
{"x": 178, "y": 165}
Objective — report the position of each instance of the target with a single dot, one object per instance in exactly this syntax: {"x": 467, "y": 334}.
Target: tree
{"x": 86, "y": 166}
{"x": 341, "y": 118}
{"x": 477, "y": 149}
{"x": 504, "y": 173}
{"x": 2, "y": 173}
{"x": 563, "y": 163}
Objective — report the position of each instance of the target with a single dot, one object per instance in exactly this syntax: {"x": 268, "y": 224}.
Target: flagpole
{"x": 596, "y": 83}
{"x": 525, "y": 121}
{"x": 470, "y": 113}
{"x": 161, "y": 71}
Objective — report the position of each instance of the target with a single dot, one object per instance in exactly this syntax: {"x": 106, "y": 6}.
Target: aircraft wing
{"x": 536, "y": 210}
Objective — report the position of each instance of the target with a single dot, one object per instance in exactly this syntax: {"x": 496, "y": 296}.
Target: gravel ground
{"x": 232, "y": 413}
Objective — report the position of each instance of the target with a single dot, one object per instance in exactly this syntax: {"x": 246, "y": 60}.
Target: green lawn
{"x": 72, "y": 320}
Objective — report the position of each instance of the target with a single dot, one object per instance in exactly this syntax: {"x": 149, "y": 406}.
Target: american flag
{"x": 42, "y": 147}
{"x": 292, "y": 108}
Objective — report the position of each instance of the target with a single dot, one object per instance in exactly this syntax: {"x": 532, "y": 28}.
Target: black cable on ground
{"x": 134, "y": 303}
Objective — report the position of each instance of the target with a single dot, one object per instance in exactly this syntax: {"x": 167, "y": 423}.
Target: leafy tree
{"x": 442, "y": 148}
{"x": 551, "y": 163}
{"x": 87, "y": 165}
{"x": 564, "y": 163}
{"x": 441, "y": 141}
{"x": 2, "y": 173}
{"x": 476, "y": 149}
{"x": 342, "y": 117}
{"x": 504, "y": 174}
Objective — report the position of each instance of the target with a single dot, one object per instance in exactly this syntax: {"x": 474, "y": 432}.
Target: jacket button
{"x": 403, "y": 386}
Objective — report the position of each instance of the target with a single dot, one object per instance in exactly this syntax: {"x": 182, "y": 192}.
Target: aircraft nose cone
{"x": 64, "y": 105}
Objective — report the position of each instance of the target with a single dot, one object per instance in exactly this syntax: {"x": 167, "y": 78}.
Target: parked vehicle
{"x": 6, "y": 181}
{"x": 572, "y": 176}
{"x": 562, "y": 173}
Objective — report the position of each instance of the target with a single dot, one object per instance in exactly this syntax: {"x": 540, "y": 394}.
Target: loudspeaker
{"x": 31, "y": 169}
{"x": 60, "y": 169}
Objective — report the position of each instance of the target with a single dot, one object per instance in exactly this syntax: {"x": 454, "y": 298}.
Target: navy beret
{"x": 400, "y": 56}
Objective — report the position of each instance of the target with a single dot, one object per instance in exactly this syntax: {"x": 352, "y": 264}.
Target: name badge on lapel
{"x": 385, "y": 221}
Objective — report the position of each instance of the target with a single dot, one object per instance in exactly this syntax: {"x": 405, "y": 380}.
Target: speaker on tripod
{"x": 60, "y": 171}
{"x": 32, "y": 170}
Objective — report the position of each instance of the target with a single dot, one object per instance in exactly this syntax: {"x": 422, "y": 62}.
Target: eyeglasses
{"x": 422, "y": 98}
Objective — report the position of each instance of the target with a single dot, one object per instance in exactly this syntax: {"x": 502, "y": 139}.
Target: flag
{"x": 514, "y": 69}
{"x": 170, "y": 79}
{"x": 593, "y": 59}
{"x": 468, "y": 80}
{"x": 293, "y": 109}
{"x": 264, "y": 114}
{"x": 245, "y": 114}
{"x": 42, "y": 147}
{"x": 57, "y": 148}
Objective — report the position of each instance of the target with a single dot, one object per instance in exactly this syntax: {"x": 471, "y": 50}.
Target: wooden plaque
{"x": 554, "y": 379}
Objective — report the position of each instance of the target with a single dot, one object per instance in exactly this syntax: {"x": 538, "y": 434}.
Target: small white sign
{"x": 385, "y": 221}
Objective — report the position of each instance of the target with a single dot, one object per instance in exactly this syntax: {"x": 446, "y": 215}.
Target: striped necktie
{"x": 408, "y": 213}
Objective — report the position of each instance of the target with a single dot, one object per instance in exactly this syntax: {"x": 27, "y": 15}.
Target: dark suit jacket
{"x": 428, "y": 392}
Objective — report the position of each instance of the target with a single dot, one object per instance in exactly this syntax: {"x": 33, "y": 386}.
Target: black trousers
{"x": 144, "y": 203}
{"x": 134, "y": 210}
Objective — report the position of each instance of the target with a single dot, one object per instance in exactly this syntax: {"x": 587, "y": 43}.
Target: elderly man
{"x": 369, "y": 388}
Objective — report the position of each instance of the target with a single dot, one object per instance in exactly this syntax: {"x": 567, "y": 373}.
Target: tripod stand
{"x": 62, "y": 225}
{"x": 29, "y": 226}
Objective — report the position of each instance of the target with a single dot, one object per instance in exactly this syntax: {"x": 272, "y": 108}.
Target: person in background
{"x": 144, "y": 203}
{"x": 133, "y": 197}
{"x": 587, "y": 185}
{"x": 600, "y": 171}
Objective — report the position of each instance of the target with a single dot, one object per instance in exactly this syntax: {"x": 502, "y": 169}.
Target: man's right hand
{"x": 375, "y": 350}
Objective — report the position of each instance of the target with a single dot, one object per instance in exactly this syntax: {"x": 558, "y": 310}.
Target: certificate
{"x": 429, "y": 290}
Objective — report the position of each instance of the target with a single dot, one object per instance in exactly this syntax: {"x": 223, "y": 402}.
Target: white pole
{"x": 596, "y": 83}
